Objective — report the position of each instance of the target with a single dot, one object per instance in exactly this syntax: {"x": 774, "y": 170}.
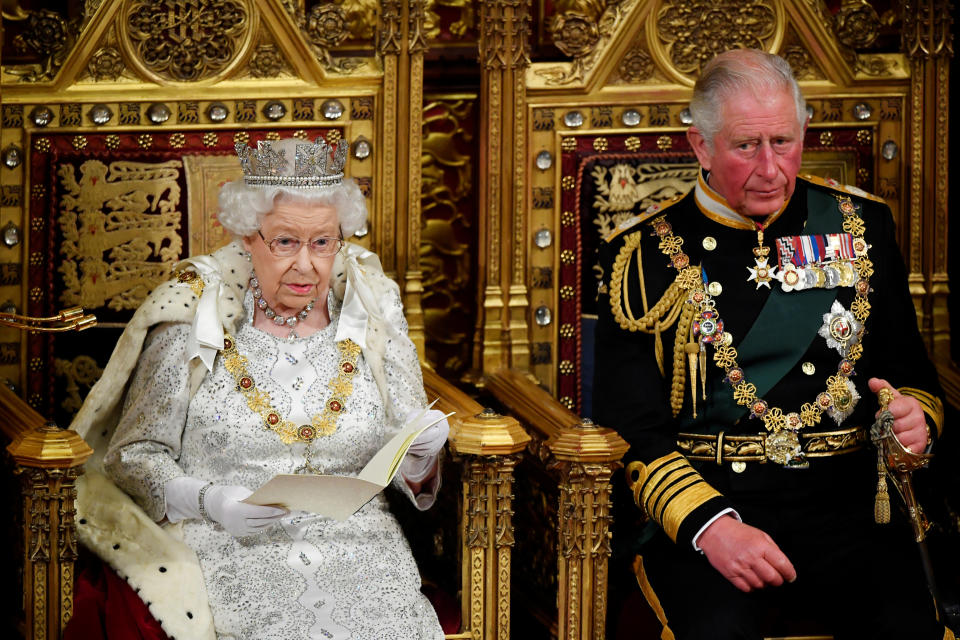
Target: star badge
{"x": 762, "y": 274}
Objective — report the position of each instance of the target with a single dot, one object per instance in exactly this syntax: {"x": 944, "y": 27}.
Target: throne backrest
{"x": 608, "y": 137}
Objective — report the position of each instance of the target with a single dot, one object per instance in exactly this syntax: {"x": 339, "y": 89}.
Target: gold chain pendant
{"x": 258, "y": 401}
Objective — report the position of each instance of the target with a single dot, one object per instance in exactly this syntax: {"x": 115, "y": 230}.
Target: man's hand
{"x": 745, "y": 555}
{"x": 909, "y": 421}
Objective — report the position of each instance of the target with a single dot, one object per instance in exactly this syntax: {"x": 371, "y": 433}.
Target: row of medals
{"x": 824, "y": 275}
{"x": 819, "y": 275}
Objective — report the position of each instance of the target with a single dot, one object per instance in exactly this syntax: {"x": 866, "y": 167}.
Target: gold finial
{"x": 885, "y": 396}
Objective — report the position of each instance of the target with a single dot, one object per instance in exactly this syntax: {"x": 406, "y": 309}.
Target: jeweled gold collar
{"x": 716, "y": 207}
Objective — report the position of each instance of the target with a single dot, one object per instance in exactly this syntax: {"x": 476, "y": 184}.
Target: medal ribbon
{"x": 814, "y": 249}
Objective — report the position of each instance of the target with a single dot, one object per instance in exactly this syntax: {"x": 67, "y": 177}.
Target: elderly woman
{"x": 284, "y": 352}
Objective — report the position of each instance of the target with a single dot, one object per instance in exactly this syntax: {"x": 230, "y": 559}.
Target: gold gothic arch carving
{"x": 627, "y": 70}
{"x": 461, "y": 182}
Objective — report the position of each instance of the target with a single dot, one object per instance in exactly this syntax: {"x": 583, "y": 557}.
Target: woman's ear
{"x": 248, "y": 243}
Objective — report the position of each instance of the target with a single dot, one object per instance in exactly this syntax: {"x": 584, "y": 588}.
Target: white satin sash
{"x": 206, "y": 333}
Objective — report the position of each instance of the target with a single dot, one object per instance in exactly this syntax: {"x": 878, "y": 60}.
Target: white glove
{"x": 188, "y": 497}
{"x": 422, "y": 454}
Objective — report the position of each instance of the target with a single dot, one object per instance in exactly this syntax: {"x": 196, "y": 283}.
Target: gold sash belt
{"x": 753, "y": 448}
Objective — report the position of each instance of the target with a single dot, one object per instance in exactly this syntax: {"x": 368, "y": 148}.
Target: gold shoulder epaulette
{"x": 830, "y": 183}
{"x": 633, "y": 221}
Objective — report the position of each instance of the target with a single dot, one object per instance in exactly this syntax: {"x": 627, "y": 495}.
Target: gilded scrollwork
{"x": 106, "y": 64}
{"x": 466, "y": 22}
{"x": 795, "y": 52}
{"x": 580, "y": 29}
{"x": 856, "y": 24}
{"x": 185, "y": 41}
{"x": 267, "y": 61}
{"x": 800, "y": 61}
{"x": 112, "y": 220}
{"x": 691, "y": 33}
{"x": 636, "y": 66}
{"x": 48, "y": 35}
{"x": 361, "y": 18}
{"x": 878, "y": 64}
{"x": 575, "y": 33}
{"x": 327, "y": 25}
{"x": 82, "y": 371}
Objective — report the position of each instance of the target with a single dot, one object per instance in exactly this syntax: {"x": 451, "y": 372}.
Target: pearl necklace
{"x": 278, "y": 319}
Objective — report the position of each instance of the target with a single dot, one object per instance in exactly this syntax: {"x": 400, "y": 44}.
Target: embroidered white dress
{"x": 309, "y": 576}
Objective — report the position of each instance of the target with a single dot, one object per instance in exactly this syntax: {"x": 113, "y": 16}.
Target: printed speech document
{"x": 339, "y": 497}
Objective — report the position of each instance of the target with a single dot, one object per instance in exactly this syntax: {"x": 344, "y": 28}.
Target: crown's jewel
{"x": 314, "y": 166}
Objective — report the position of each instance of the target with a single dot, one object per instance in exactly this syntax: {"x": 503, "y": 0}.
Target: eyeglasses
{"x": 286, "y": 246}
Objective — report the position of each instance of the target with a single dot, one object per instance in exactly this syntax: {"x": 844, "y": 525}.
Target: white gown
{"x": 310, "y": 576}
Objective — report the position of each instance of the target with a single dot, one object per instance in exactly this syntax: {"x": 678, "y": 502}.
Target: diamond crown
{"x": 315, "y": 165}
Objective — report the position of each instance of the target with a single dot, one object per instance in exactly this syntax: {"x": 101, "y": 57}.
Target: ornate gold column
{"x": 402, "y": 43}
{"x": 586, "y": 456}
{"x": 49, "y": 460}
{"x": 583, "y": 456}
{"x": 502, "y": 337}
{"x": 489, "y": 445}
{"x": 927, "y": 42}
{"x": 389, "y": 38}
{"x": 411, "y": 107}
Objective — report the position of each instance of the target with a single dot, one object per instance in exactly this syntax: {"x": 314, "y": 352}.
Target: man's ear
{"x": 700, "y": 147}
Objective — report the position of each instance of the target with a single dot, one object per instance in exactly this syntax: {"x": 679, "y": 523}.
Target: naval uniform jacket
{"x": 633, "y": 396}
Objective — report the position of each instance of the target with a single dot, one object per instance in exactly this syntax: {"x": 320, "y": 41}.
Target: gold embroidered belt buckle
{"x": 740, "y": 449}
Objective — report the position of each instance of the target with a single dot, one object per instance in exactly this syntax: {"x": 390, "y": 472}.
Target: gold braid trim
{"x": 677, "y": 386}
{"x": 931, "y": 405}
{"x": 668, "y": 490}
{"x": 667, "y": 310}
{"x": 620, "y": 301}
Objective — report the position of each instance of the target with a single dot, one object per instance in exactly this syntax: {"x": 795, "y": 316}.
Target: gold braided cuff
{"x": 668, "y": 490}
{"x": 931, "y": 405}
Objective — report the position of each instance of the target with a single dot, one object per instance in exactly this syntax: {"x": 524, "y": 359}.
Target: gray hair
{"x": 733, "y": 72}
{"x": 243, "y": 207}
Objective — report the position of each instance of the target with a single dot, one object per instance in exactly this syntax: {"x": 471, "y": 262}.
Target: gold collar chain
{"x": 259, "y": 401}
{"x": 838, "y": 394}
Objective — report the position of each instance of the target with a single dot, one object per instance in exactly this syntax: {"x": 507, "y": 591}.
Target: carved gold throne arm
{"x": 582, "y": 457}
{"x": 487, "y": 445}
{"x": 48, "y": 460}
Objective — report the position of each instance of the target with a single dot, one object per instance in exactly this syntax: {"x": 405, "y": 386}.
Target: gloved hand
{"x": 422, "y": 454}
{"x": 221, "y": 504}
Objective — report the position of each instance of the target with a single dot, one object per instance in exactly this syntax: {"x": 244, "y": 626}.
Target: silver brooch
{"x": 840, "y": 329}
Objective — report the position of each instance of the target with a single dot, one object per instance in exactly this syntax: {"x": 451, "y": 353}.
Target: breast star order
{"x": 762, "y": 273}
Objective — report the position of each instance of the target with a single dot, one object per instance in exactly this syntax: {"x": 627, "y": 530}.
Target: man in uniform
{"x": 744, "y": 331}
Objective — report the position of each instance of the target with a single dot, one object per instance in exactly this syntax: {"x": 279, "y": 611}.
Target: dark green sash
{"x": 781, "y": 334}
